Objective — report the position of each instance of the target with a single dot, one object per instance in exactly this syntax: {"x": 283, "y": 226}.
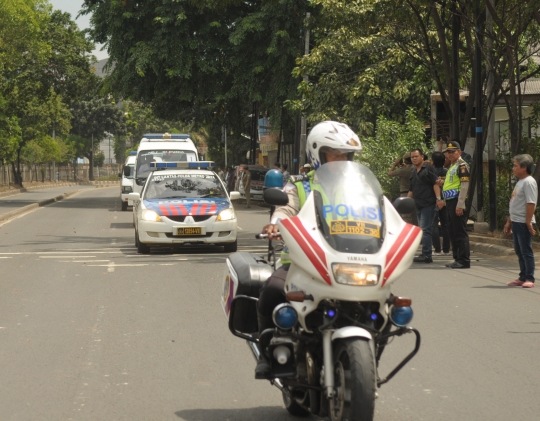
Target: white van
{"x": 126, "y": 180}
{"x": 161, "y": 147}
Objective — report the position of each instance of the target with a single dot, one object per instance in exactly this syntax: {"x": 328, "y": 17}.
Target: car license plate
{"x": 188, "y": 231}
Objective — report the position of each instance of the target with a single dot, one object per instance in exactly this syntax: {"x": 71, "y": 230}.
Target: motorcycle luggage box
{"x": 246, "y": 272}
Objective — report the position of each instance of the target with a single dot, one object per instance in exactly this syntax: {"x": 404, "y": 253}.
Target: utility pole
{"x": 454, "y": 94}
{"x": 92, "y": 160}
{"x": 224, "y": 128}
{"x": 479, "y": 118}
{"x": 303, "y": 124}
{"x": 490, "y": 94}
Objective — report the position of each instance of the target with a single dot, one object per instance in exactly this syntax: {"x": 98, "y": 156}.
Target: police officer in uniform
{"x": 328, "y": 141}
{"x": 455, "y": 187}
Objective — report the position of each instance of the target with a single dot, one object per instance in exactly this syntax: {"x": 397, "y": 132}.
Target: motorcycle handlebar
{"x": 263, "y": 236}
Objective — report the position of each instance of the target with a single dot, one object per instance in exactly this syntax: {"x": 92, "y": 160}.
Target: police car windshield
{"x": 177, "y": 186}
{"x": 349, "y": 200}
{"x": 145, "y": 158}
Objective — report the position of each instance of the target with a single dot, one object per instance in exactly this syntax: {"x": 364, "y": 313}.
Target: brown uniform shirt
{"x": 404, "y": 174}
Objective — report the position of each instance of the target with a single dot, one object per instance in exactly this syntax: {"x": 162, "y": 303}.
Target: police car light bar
{"x": 132, "y": 153}
{"x": 183, "y": 165}
{"x": 165, "y": 136}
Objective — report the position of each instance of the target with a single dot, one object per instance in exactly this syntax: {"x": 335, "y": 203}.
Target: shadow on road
{"x": 262, "y": 413}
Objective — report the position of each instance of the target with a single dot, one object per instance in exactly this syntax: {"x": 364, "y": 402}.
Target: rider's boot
{"x": 263, "y": 370}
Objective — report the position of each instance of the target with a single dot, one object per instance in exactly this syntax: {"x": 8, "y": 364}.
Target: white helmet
{"x": 331, "y": 134}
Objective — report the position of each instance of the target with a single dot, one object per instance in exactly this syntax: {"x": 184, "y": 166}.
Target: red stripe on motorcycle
{"x": 402, "y": 244}
{"x": 292, "y": 227}
{"x": 230, "y": 297}
{"x": 194, "y": 209}
{"x": 316, "y": 248}
{"x": 164, "y": 210}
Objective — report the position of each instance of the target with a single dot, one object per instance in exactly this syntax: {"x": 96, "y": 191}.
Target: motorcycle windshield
{"x": 349, "y": 202}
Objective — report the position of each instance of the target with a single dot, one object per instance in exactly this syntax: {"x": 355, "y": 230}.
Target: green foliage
{"x": 99, "y": 159}
{"x": 391, "y": 141}
{"x": 91, "y": 122}
{"x": 356, "y": 71}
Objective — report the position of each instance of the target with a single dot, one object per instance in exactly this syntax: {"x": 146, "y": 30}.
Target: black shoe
{"x": 457, "y": 265}
{"x": 422, "y": 259}
{"x": 263, "y": 369}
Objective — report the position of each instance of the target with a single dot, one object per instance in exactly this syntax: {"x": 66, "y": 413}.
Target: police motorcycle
{"x": 348, "y": 245}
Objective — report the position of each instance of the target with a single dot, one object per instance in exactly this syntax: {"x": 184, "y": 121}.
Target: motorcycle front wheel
{"x": 354, "y": 378}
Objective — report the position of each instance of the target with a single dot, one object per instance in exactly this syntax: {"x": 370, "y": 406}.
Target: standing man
{"x": 427, "y": 195}
{"x": 455, "y": 189}
{"x": 521, "y": 222}
{"x": 403, "y": 168}
{"x": 221, "y": 174}
{"x": 286, "y": 174}
{"x": 440, "y": 214}
{"x": 246, "y": 182}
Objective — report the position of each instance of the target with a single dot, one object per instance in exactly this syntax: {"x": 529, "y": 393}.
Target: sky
{"x": 73, "y": 7}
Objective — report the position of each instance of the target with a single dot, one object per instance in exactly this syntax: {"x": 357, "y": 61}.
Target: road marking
{"x": 167, "y": 264}
{"x": 240, "y": 228}
{"x": 6, "y": 257}
{"x": 134, "y": 264}
{"x": 65, "y": 257}
{"x": 110, "y": 267}
{"x": 83, "y": 261}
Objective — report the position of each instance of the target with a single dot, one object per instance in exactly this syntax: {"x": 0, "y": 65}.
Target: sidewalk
{"x": 15, "y": 202}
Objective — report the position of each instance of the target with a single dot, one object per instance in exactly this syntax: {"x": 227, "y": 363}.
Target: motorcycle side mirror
{"x": 275, "y": 197}
{"x": 404, "y": 205}
{"x": 127, "y": 170}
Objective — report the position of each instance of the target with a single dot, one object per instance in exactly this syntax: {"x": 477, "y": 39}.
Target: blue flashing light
{"x": 161, "y": 165}
{"x": 160, "y": 136}
{"x": 193, "y": 165}
{"x": 373, "y": 316}
{"x": 172, "y": 165}
{"x": 273, "y": 179}
{"x": 401, "y": 316}
{"x": 132, "y": 153}
{"x": 285, "y": 316}
{"x": 331, "y": 313}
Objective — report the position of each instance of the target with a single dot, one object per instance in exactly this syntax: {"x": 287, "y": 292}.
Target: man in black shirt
{"x": 427, "y": 196}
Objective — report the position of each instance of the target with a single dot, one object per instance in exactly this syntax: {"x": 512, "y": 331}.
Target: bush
{"x": 391, "y": 141}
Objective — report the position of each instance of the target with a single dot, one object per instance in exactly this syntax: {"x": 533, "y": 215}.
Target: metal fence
{"x": 42, "y": 173}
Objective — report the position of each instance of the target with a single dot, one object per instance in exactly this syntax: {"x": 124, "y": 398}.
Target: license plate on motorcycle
{"x": 188, "y": 232}
{"x": 354, "y": 228}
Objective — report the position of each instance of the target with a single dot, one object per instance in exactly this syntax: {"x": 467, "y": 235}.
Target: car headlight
{"x": 356, "y": 274}
{"x": 226, "y": 215}
{"x": 127, "y": 189}
{"x": 150, "y": 215}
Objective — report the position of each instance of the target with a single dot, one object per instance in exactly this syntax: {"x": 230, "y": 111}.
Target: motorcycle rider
{"x": 328, "y": 141}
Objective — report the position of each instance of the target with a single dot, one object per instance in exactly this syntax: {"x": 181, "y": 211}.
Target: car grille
{"x": 196, "y": 218}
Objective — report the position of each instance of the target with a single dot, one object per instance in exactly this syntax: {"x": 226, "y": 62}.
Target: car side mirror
{"x": 404, "y": 205}
{"x": 140, "y": 181}
{"x": 135, "y": 197}
{"x": 119, "y": 175}
{"x": 275, "y": 197}
{"x": 234, "y": 195}
{"x": 127, "y": 170}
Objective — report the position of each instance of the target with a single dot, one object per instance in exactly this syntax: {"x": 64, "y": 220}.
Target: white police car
{"x": 184, "y": 203}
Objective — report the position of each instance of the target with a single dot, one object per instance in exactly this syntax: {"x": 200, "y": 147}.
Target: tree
{"x": 91, "y": 120}
{"x": 202, "y": 62}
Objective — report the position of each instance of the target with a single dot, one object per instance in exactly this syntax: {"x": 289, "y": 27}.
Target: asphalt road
{"x": 89, "y": 330}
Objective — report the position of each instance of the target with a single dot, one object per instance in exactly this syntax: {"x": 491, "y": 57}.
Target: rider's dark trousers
{"x": 272, "y": 294}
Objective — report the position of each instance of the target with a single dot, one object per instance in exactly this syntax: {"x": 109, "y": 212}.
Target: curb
{"x": 492, "y": 250}
{"x": 53, "y": 186}
{"x": 12, "y": 214}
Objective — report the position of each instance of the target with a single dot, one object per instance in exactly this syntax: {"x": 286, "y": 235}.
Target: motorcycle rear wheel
{"x": 354, "y": 378}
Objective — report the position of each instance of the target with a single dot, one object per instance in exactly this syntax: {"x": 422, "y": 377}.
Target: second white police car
{"x": 184, "y": 203}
